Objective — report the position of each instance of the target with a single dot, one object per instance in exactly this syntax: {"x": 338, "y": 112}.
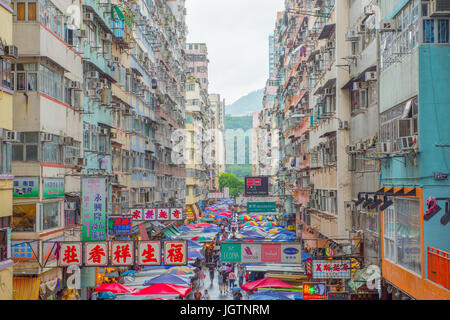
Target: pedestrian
{"x": 237, "y": 295}
{"x": 205, "y": 295}
{"x": 232, "y": 278}
{"x": 225, "y": 282}
{"x": 211, "y": 273}
{"x": 94, "y": 295}
{"x": 241, "y": 275}
{"x": 197, "y": 295}
{"x": 221, "y": 283}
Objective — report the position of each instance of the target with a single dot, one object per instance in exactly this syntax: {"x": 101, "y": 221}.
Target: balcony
{"x": 438, "y": 267}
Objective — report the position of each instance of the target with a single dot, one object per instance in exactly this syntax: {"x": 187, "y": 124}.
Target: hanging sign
{"x": 120, "y": 225}
{"x": 314, "y": 291}
{"x": 53, "y": 188}
{"x": 96, "y": 254}
{"x": 162, "y": 214}
{"x": 122, "y": 253}
{"x": 149, "y": 253}
{"x": 331, "y": 269}
{"x": 93, "y": 209}
{"x": 149, "y": 214}
{"x": 70, "y": 254}
{"x": 175, "y": 252}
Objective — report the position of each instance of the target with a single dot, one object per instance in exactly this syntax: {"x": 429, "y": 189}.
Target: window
{"x": 5, "y": 158}
{"x": 28, "y": 149}
{"x": 50, "y": 82}
{"x": 24, "y": 218}
{"x": 6, "y": 78}
{"x": 50, "y": 215}
{"x": 51, "y": 17}
{"x": 402, "y": 243}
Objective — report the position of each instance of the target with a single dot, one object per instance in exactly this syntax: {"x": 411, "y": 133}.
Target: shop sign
{"x": 176, "y": 214}
{"x": 149, "y": 253}
{"x": 93, "y": 209}
{"x": 149, "y": 214}
{"x": 53, "y": 188}
{"x": 338, "y": 296}
{"x": 49, "y": 250}
{"x": 261, "y": 207}
{"x": 230, "y": 252}
{"x": 256, "y": 186}
{"x": 137, "y": 214}
{"x": 24, "y": 251}
{"x": 291, "y": 253}
{"x": 120, "y": 225}
{"x": 26, "y": 187}
{"x": 314, "y": 291}
{"x": 162, "y": 214}
{"x": 291, "y": 227}
{"x": 270, "y": 253}
{"x": 175, "y": 252}
{"x": 70, "y": 254}
{"x": 251, "y": 253}
{"x": 96, "y": 254}
{"x": 364, "y": 296}
{"x": 122, "y": 253}
{"x": 331, "y": 269}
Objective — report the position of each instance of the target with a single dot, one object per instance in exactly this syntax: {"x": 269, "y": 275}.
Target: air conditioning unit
{"x": 116, "y": 60}
{"x": 348, "y": 149}
{"x": 104, "y": 131}
{"x": 46, "y": 137}
{"x": 360, "y": 146}
{"x": 82, "y": 33}
{"x": 11, "y": 51}
{"x": 70, "y": 205}
{"x": 88, "y": 17}
{"x": 368, "y": 10}
{"x": 99, "y": 85}
{"x": 330, "y": 45}
{"x": 328, "y": 91}
{"x": 388, "y": 26}
{"x": 92, "y": 93}
{"x": 12, "y": 136}
{"x": 68, "y": 141}
{"x": 343, "y": 125}
{"x": 359, "y": 86}
{"x": 106, "y": 37}
{"x": 113, "y": 135}
{"x": 352, "y": 35}
{"x": 332, "y": 194}
{"x": 439, "y": 8}
{"x": 92, "y": 75}
{"x": 362, "y": 28}
{"x": 406, "y": 143}
{"x": 371, "y": 76}
{"x": 75, "y": 85}
{"x": 81, "y": 162}
{"x": 385, "y": 147}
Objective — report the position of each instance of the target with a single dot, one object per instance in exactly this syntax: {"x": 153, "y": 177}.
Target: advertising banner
{"x": 261, "y": 207}
{"x": 314, "y": 291}
{"x": 270, "y": 253}
{"x": 251, "y": 253}
{"x": 120, "y": 225}
{"x": 291, "y": 253}
{"x": 93, "y": 209}
{"x": 331, "y": 269}
{"x": 230, "y": 252}
{"x": 256, "y": 186}
{"x": 26, "y": 187}
{"x": 24, "y": 251}
{"x": 53, "y": 188}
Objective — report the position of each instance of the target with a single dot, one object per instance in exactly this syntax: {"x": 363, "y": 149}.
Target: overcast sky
{"x": 236, "y": 34}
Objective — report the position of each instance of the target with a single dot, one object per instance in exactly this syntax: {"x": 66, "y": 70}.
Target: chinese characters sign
{"x": 314, "y": 291}
{"x": 122, "y": 253}
{"x": 149, "y": 253}
{"x": 157, "y": 214}
{"x": 93, "y": 209}
{"x": 26, "y": 187}
{"x": 331, "y": 269}
{"x": 175, "y": 253}
{"x": 260, "y": 207}
{"x": 53, "y": 188}
{"x": 256, "y": 186}
{"x": 119, "y": 225}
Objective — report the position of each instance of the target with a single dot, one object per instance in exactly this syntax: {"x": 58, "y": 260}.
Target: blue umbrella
{"x": 128, "y": 272}
{"x": 167, "y": 278}
{"x": 107, "y": 295}
{"x": 264, "y": 297}
{"x": 285, "y": 295}
{"x": 194, "y": 244}
{"x": 211, "y": 229}
{"x": 192, "y": 254}
{"x": 183, "y": 228}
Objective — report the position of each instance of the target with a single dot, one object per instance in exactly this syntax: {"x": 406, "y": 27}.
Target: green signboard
{"x": 53, "y": 188}
{"x": 260, "y": 207}
{"x": 93, "y": 209}
{"x": 231, "y": 252}
{"x": 26, "y": 187}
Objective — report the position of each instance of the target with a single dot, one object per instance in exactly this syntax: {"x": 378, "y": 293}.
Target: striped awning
{"x": 26, "y": 288}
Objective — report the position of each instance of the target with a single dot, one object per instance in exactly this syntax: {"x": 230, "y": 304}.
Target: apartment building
{"x": 8, "y": 54}
{"x": 414, "y": 154}
{"x": 218, "y": 109}
{"x": 197, "y": 62}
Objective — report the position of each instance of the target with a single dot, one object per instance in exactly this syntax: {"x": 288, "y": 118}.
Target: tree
{"x": 231, "y": 181}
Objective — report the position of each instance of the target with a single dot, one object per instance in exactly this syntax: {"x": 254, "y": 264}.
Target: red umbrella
{"x": 265, "y": 283}
{"x": 114, "y": 287}
{"x": 200, "y": 225}
{"x": 163, "y": 288}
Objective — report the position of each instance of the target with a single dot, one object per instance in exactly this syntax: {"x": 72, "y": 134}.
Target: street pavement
{"x": 213, "y": 289}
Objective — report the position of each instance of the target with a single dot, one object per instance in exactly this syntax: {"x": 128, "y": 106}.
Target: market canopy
{"x": 114, "y": 288}
{"x": 180, "y": 271}
{"x": 200, "y": 225}
{"x": 201, "y": 238}
{"x": 192, "y": 254}
{"x": 265, "y": 283}
{"x": 168, "y": 278}
{"x": 163, "y": 288}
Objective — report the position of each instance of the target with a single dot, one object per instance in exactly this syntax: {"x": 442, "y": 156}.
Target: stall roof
{"x": 273, "y": 267}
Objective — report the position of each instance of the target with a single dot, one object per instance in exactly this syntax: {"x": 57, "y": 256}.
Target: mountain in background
{"x": 246, "y": 104}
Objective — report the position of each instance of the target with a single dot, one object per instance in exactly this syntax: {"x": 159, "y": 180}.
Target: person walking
{"x": 221, "y": 283}
{"x": 197, "y": 295}
{"x": 211, "y": 274}
{"x": 205, "y": 295}
{"x": 241, "y": 275}
{"x": 232, "y": 278}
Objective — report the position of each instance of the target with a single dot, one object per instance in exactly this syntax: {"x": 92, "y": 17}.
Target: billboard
{"x": 331, "y": 269}
{"x": 256, "y": 186}
{"x": 93, "y": 209}
{"x": 269, "y": 252}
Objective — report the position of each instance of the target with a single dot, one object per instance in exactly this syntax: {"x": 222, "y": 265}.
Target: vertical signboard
{"x": 53, "y": 188}
{"x": 93, "y": 209}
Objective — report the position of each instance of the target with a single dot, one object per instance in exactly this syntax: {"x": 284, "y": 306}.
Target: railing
{"x": 438, "y": 267}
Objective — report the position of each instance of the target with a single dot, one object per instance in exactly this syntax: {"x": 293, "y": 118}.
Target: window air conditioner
{"x": 385, "y": 147}
{"x": 388, "y": 26}
{"x": 11, "y": 51}
{"x": 371, "y": 76}
{"x": 12, "y": 136}
{"x": 92, "y": 75}
{"x": 439, "y": 8}
{"x": 46, "y": 137}
{"x": 88, "y": 17}
{"x": 81, "y": 162}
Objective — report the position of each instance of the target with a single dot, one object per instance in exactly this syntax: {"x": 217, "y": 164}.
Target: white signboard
{"x": 176, "y": 214}
{"x": 291, "y": 253}
{"x": 250, "y": 253}
{"x": 122, "y": 253}
{"x": 96, "y": 254}
{"x": 149, "y": 253}
{"x": 331, "y": 269}
{"x": 162, "y": 214}
{"x": 175, "y": 252}
{"x": 70, "y": 254}
{"x": 149, "y": 214}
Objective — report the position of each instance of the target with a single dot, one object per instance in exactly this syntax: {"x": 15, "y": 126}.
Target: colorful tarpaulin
{"x": 114, "y": 288}
{"x": 201, "y": 238}
{"x": 164, "y": 288}
{"x": 180, "y": 271}
{"x": 265, "y": 283}
{"x": 200, "y": 225}
{"x": 168, "y": 278}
